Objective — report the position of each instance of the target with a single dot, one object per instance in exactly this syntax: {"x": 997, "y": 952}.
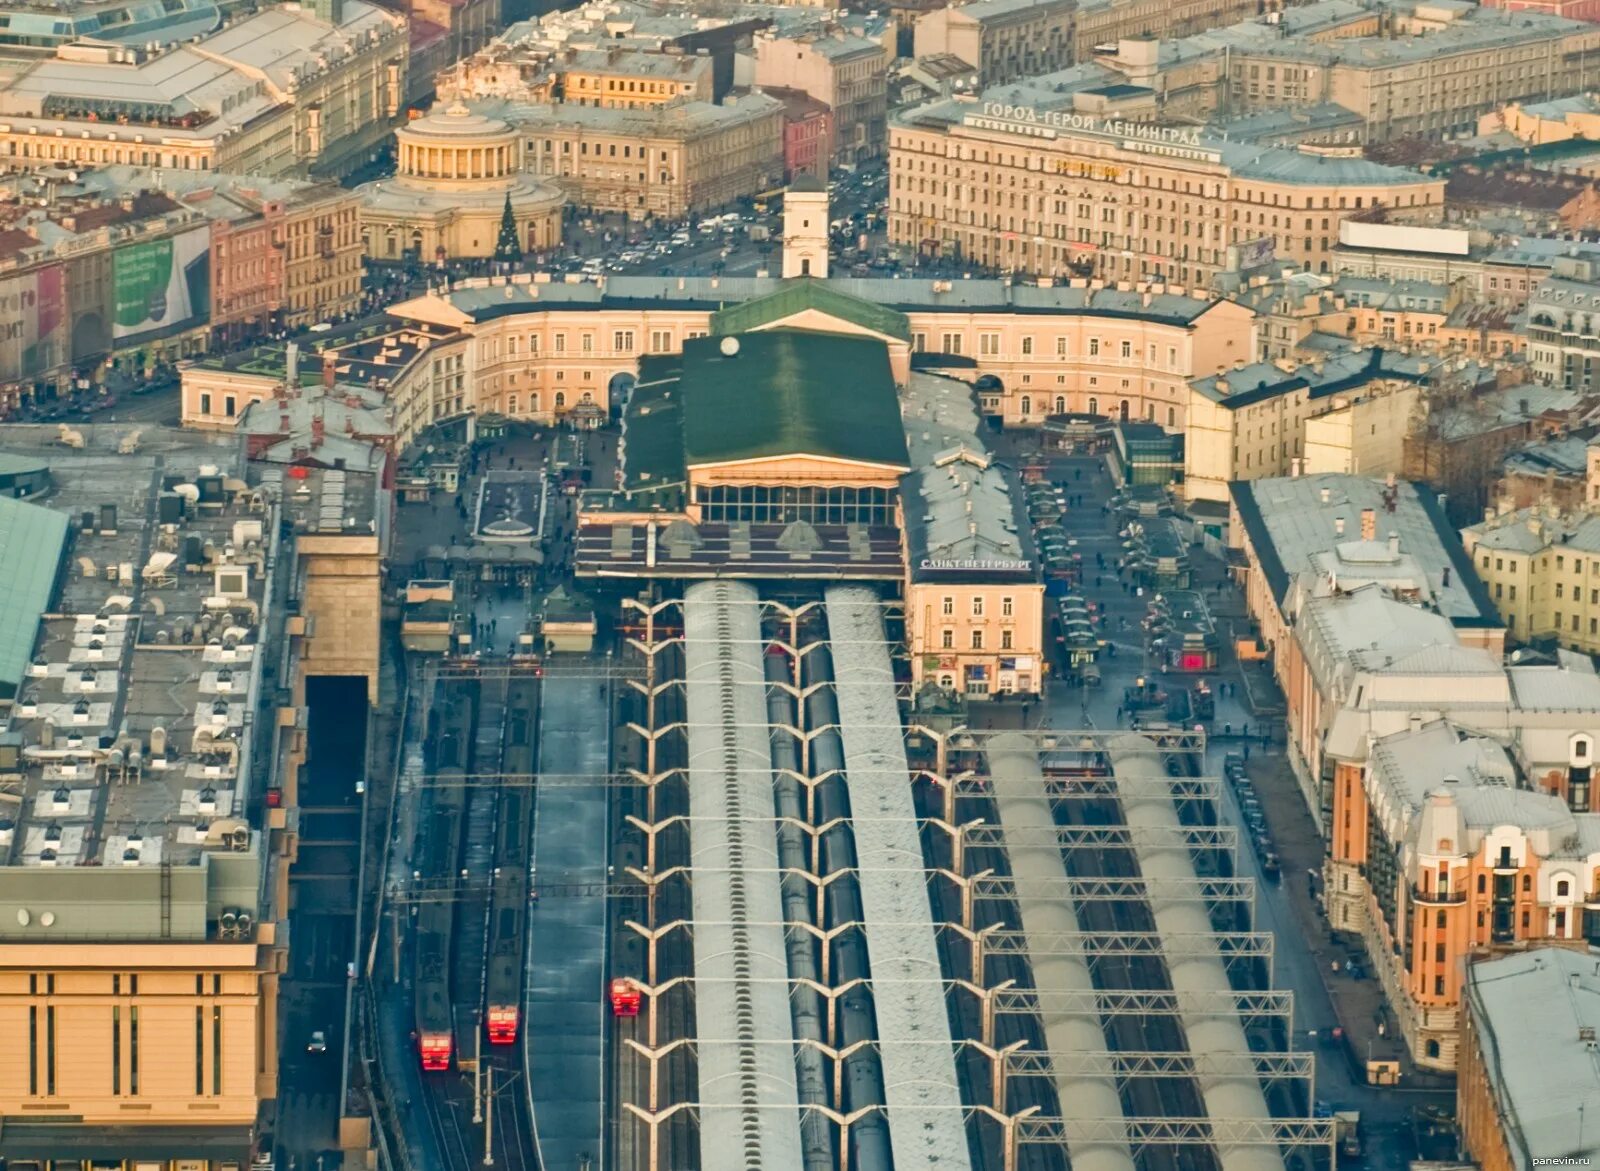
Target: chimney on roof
{"x": 1394, "y": 544}
{"x": 291, "y": 365}
{"x": 1338, "y": 526}
{"x": 328, "y": 363}
{"x": 1369, "y": 524}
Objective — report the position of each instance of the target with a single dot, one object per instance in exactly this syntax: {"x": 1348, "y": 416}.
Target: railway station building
{"x": 769, "y": 453}
{"x": 534, "y": 348}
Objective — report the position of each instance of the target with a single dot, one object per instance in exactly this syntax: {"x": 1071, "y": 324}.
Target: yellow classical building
{"x": 1253, "y": 421}
{"x": 1542, "y": 568}
{"x": 456, "y": 172}
{"x": 289, "y": 90}
{"x": 1057, "y": 192}
{"x": 531, "y": 347}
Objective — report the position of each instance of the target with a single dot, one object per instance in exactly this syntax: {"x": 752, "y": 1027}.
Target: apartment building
{"x": 1564, "y": 324}
{"x": 284, "y": 253}
{"x": 807, "y": 134}
{"x": 666, "y": 161}
{"x": 1002, "y": 39}
{"x": 1303, "y": 312}
{"x": 1542, "y": 566}
{"x": 1455, "y": 860}
{"x": 289, "y": 90}
{"x": 1527, "y": 1071}
{"x": 1257, "y": 420}
{"x": 74, "y": 303}
{"x": 847, "y": 72}
{"x": 1104, "y": 23}
{"x": 1301, "y": 537}
{"x": 1414, "y": 69}
{"x": 1504, "y": 274}
{"x": 251, "y": 254}
{"x": 1037, "y": 188}
{"x": 622, "y": 79}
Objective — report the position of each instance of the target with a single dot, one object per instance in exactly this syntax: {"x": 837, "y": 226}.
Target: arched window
{"x": 1094, "y": 406}
{"x": 1431, "y": 1048}
{"x": 1563, "y": 889}
{"x": 1061, "y": 404}
{"x": 1527, "y": 883}
{"x": 1123, "y": 410}
{"x": 1483, "y": 884}
{"x": 1027, "y": 405}
{"x": 561, "y": 399}
{"x": 1172, "y": 416}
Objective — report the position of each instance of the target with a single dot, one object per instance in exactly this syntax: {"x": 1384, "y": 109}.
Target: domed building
{"x": 456, "y": 170}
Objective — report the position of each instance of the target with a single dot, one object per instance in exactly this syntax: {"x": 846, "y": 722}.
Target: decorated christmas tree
{"x": 507, "y": 248}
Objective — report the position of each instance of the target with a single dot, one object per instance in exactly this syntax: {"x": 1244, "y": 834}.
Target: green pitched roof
{"x": 798, "y": 295}
{"x": 784, "y": 392}
{"x": 32, "y": 541}
{"x": 791, "y": 392}
{"x": 652, "y": 429}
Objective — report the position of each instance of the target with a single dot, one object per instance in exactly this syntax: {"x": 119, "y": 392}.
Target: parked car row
{"x": 1255, "y": 819}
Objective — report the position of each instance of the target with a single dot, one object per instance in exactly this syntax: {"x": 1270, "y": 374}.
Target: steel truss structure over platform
{"x": 847, "y": 954}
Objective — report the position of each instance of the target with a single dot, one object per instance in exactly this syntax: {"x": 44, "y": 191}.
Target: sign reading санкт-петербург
{"x": 1002, "y": 565}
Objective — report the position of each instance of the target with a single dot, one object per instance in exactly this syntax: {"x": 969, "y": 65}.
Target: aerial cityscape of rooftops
{"x": 1049, "y": 553}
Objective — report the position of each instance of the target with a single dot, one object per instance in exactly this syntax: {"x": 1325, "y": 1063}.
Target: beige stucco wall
{"x": 929, "y": 626}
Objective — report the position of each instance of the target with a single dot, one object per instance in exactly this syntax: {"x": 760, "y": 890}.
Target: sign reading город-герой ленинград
{"x": 1045, "y": 124}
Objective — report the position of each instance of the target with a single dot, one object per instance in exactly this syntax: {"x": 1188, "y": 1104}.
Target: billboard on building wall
{"x": 32, "y": 326}
{"x": 1255, "y": 253}
{"x": 161, "y": 286}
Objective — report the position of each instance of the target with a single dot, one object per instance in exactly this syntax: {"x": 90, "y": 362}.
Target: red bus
{"x": 625, "y": 997}
{"x": 435, "y": 1050}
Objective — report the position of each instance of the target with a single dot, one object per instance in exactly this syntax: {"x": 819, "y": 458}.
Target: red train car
{"x": 502, "y": 1021}
{"x": 436, "y": 1049}
{"x": 625, "y": 997}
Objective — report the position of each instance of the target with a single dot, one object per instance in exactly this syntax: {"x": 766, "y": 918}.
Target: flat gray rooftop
{"x": 138, "y": 702}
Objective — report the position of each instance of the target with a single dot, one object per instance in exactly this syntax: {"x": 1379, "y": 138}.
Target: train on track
{"x": 436, "y": 909}
{"x": 508, "y": 909}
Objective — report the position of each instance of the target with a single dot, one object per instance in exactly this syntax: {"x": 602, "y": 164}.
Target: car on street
{"x": 318, "y": 1042}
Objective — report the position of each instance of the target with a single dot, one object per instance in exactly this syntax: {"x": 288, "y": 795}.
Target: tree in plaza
{"x": 508, "y": 249}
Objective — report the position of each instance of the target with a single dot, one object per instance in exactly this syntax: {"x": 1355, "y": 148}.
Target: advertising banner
{"x": 161, "y": 286}
{"x": 32, "y": 326}
{"x": 1256, "y": 253}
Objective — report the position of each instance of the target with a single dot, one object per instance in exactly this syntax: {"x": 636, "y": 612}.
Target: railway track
{"x": 443, "y": 1111}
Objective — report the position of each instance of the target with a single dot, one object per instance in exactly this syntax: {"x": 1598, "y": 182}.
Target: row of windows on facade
{"x": 990, "y": 345}
{"x": 767, "y": 505}
{"x": 1544, "y": 563}
{"x": 947, "y": 605}
{"x": 947, "y": 639}
{"x": 900, "y": 161}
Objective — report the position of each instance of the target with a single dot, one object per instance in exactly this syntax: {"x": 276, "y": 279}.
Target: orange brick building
{"x": 1450, "y": 859}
